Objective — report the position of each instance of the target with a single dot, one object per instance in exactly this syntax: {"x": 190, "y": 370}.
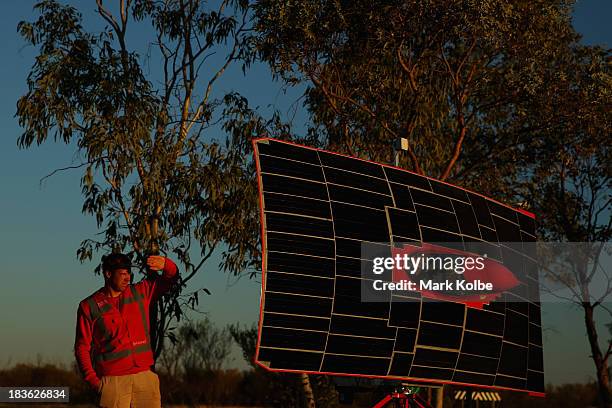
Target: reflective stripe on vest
{"x": 115, "y": 355}
{"x": 139, "y": 299}
{"x": 96, "y": 314}
{"x": 136, "y": 297}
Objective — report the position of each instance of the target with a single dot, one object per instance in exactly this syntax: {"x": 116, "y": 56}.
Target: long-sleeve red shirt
{"x": 112, "y": 334}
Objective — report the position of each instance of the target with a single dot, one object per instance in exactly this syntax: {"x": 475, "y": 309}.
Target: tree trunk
{"x": 601, "y": 361}
{"x": 154, "y": 332}
{"x": 156, "y": 322}
{"x": 307, "y": 388}
{"x": 440, "y": 397}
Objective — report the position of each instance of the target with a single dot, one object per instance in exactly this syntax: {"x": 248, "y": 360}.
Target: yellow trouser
{"x": 140, "y": 390}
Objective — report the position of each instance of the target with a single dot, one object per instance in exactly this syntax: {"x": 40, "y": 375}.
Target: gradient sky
{"x": 41, "y": 226}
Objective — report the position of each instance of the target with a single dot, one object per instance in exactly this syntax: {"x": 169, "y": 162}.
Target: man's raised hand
{"x": 156, "y": 263}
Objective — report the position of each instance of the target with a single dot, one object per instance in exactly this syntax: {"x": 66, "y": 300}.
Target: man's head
{"x": 116, "y": 271}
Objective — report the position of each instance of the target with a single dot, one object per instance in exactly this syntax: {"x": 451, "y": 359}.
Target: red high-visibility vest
{"x": 118, "y": 339}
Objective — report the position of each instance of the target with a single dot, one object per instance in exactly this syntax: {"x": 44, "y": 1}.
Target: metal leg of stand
{"x": 383, "y": 402}
{"x": 405, "y": 399}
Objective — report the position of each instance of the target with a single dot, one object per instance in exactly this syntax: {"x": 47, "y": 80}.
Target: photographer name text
{"x": 430, "y": 285}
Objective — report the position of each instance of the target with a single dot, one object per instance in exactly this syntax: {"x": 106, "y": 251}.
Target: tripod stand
{"x": 405, "y": 397}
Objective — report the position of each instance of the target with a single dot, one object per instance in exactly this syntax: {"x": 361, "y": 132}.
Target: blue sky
{"x": 41, "y": 226}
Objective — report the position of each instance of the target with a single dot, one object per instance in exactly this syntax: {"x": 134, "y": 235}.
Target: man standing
{"x": 112, "y": 345}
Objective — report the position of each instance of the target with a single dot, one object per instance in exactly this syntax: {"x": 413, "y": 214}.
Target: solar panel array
{"x": 318, "y": 209}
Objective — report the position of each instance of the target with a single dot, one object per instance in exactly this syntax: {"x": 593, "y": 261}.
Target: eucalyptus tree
{"x": 158, "y": 175}
{"x": 454, "y": 78}
{"x": 570, "y": 189}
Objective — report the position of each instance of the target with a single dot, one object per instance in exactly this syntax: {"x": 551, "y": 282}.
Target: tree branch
{"x": 78, "y": 166}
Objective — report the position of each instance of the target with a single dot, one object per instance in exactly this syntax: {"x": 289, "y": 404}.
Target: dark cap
{"x": 116, "y": 261}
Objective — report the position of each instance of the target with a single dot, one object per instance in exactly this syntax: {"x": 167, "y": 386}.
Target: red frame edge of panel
{"x": 394, "y": 378}
{"x": 263, "y": 280}
{"x": 263, "y": 248}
